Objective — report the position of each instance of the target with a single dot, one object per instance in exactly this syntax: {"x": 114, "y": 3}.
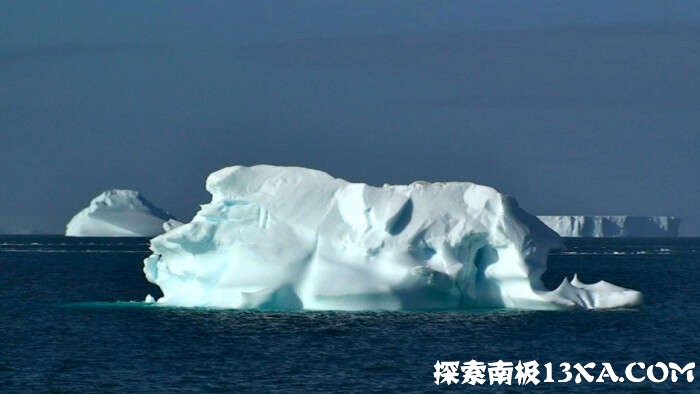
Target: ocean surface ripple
{"x": 73, "y": 321}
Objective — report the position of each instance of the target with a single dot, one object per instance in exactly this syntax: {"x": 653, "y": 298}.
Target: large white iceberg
{"x": 296, "y": 238}
{"x": 613, "y": 226}
{"x": 120, "y": 213}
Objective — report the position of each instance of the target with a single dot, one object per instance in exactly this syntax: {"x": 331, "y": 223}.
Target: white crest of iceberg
{"x": 296, "y": 238}
{"x": 119, "y": 213}
{"x": 171, "y": 224}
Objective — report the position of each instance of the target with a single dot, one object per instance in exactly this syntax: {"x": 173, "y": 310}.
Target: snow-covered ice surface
{"x": 296, "y": 238}
{"x": 171, "y": 224}
{"x": 119, "y": 213}
{"x": 613, "y": 226}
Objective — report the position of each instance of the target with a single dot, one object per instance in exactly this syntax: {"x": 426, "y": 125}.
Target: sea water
{"x": 73, "y": 320}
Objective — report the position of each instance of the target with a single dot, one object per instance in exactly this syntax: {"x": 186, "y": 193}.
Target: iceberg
{"x": 613, "y": 226}
{"x": 120, "y": 213}
{"x": 296, "y": 238}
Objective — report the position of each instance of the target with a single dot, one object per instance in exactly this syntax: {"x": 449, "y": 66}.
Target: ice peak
{"x": 119, "y": 212}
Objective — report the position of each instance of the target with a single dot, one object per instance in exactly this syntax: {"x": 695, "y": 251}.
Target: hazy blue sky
{"x": 576, "y": 107}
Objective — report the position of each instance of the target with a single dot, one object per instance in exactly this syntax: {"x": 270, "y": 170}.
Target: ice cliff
{"x": 119, "y": 213}
{"x": 613, "y": 226}
{"x": 296, "y": 238}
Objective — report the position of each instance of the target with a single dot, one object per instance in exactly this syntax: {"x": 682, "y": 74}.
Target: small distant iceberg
{"x": 120, "y": 213}
{"x": 613, "y": 226}
{"x": 20, "y": 231}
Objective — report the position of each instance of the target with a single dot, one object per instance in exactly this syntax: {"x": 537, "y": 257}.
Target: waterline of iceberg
{"x": 295, "y": 238}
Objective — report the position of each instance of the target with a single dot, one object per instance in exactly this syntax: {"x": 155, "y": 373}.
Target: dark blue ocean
{"x": 72, "y": 321}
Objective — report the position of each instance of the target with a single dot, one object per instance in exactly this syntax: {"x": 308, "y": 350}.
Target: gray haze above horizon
{"x": 573, "y": 107}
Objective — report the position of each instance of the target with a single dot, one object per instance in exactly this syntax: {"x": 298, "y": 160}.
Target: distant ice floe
{"x": 613, "y": 226}
{"x": 297, "y": 238}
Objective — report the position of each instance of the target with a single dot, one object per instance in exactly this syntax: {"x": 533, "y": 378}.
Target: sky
{"x": 573, "y": 107}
